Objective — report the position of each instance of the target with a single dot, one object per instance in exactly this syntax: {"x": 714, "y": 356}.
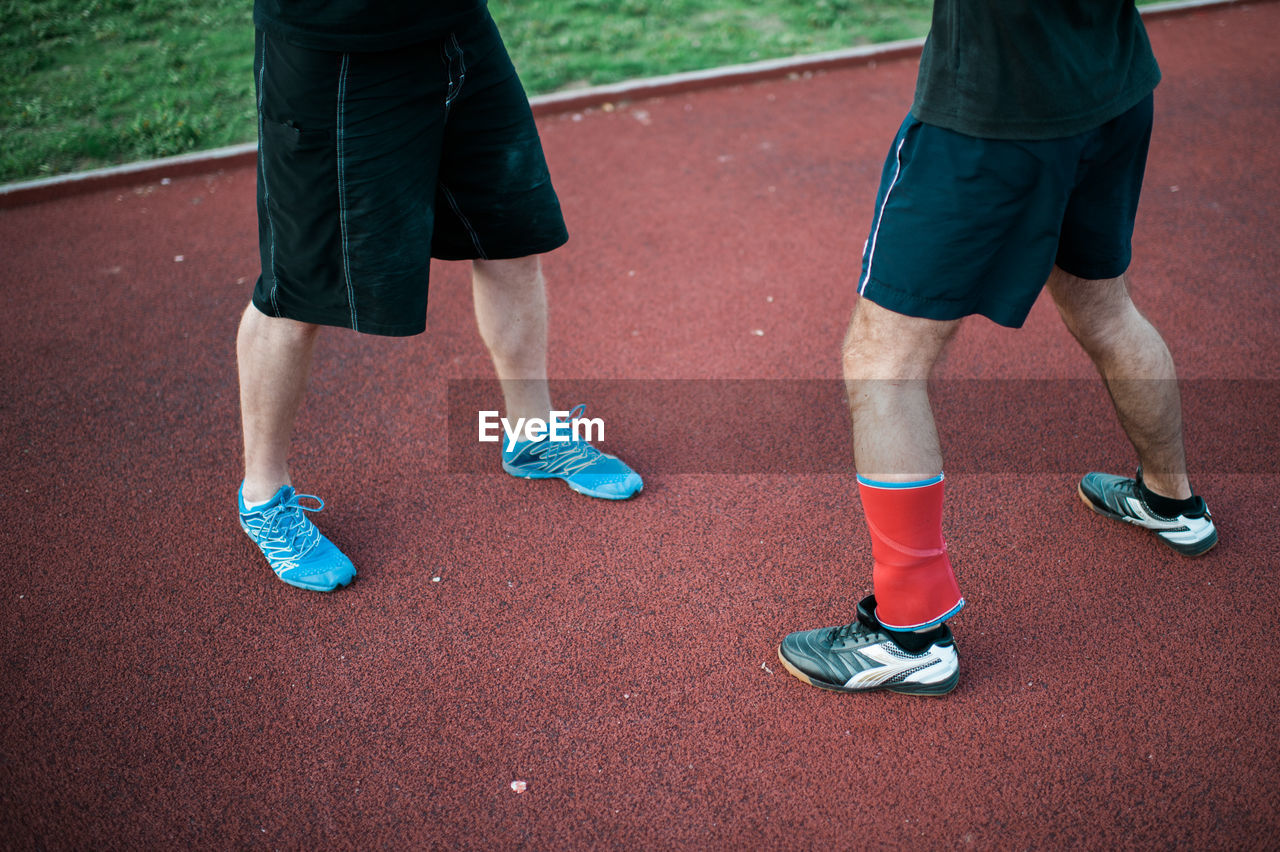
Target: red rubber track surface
{"x": 161, "y": 689}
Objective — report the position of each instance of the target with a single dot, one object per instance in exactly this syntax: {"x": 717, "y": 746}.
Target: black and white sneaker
{"x": 1190, "y": 533}
{"x": 862, "y": 657}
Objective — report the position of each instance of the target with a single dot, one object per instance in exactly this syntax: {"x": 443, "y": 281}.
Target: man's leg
{"x": 1136, "y": 366}
{"x": 897, "y": 640}
{"x": 886, "y": 360}
{"x": 274, "y": 357}
{"x": 511, "y": 312}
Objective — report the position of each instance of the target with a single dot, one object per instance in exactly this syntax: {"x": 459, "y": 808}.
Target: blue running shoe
{"x": 586, "y": 469}
{"x": 297, "y": 551}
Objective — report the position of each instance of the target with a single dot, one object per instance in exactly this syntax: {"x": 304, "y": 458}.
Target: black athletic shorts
{"x": 370, "y": 164}
{"x": 965, "y": 225}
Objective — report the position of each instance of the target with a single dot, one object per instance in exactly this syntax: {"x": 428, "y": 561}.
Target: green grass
{"x": 90, "y": 83}
{"x": 110, "y": 81}
{"x": 563, "y": 43}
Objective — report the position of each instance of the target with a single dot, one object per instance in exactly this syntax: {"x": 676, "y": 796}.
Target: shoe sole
{"x": 934, "y": 690}
{"x": 572, "y": 486}
{"x": 1200, "y": 547}
{"x": 333, "y": 588}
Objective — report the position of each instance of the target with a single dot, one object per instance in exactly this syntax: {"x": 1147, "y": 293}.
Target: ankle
{"x": 915, "y": 641}
{"x": 1175, "y": 486}
{"x": 1169, "y": 507}
{"x": 257, "y": 492}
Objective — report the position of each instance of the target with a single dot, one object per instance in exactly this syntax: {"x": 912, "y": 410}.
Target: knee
{"x": 879, "y": 346}
{"x": 1101, "y": 335}
{"x": 1099, "y": 314}
{"x": 859, "y": 353}
{"x": 257, "y": 325}
{"x": 509, "y": 273}
{"x": 857, "y": 356}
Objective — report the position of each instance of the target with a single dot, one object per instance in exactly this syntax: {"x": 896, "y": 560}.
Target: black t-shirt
{"x": 1032, "y": 69}
{"x": 361, "y": 25}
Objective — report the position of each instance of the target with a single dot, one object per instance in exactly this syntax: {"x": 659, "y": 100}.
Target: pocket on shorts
{"x": 297, "y": 200}
{"x": 287, "y": 137}
{"x": 280, "y": 136}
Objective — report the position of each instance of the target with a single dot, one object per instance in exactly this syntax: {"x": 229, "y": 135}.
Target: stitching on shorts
{"x": 875, "y": 232}
{"x": 455, "y": 86}
{"x": 475, "y": 238}
{"x": 342, "y": 184}
{"x": 266, "y": 192}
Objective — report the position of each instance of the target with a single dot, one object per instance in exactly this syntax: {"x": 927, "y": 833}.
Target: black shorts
{"x": 370, "y": 164}
{"x": 965, "y": 225}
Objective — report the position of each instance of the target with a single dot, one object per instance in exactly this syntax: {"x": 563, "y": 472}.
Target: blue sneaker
{"x": 297, "y": 551}
{"x": 586, "y": 469}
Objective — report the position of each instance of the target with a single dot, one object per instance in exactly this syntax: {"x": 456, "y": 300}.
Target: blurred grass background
{"x": 89, "y": 83}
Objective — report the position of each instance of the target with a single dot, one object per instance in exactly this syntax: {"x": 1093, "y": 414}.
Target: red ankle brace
{"x": 914, "y": 584}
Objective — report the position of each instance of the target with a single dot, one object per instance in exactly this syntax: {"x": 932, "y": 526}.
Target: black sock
{"x": 914, "y": 642}
{"x": 1167, "y": 507}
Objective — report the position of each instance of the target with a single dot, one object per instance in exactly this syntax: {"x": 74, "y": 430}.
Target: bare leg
{"x": 275, "y": 362}
{"x": 887, "y": 358}
{"x": 1133, "y": 360}
{"x": 511, "y": 312}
